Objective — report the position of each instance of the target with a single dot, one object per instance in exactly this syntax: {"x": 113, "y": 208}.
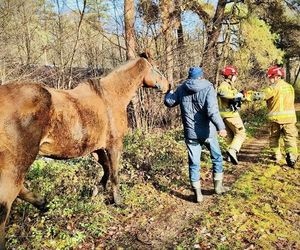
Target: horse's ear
{"x": 146, "y": 54}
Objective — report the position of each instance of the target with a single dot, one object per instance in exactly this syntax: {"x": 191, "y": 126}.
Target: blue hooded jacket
{"x": 199, "y": 108}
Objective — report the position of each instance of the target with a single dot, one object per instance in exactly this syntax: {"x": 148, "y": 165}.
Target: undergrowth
{"x": 254, "y": 116}
{"x": 151, "y": 164}
{"x": 261, "y": 212}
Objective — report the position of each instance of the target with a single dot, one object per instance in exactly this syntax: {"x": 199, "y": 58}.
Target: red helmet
{"x": 275, "y": 71}
{"x": 229, "y": 70}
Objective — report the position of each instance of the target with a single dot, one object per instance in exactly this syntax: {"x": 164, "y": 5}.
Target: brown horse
{"x": 64, "y": 124}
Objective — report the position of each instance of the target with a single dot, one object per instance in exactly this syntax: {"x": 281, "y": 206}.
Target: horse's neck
{"x": 121, "y": 86}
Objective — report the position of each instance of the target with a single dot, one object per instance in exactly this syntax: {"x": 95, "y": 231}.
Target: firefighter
{"x": 229, "y": 103}
{"x": 280, "y": 97}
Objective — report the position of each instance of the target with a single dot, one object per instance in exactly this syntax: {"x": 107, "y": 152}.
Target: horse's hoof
{"x": 43, "y": 207}
{"x": 95, "y": 191}
{"x": 101, "y": 189}
{"x": 118, "y": 201}
{"x": 103, "y": 185}
{"x": 119, "y": 205}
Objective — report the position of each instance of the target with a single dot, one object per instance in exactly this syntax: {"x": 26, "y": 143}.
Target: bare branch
{"x": 77, "y": 35}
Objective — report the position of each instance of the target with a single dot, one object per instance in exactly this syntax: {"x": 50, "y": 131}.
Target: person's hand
{"x": 222, "y": 133}
{"x": 171, "y": 85}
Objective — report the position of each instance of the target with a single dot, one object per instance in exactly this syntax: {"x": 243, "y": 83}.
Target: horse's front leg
{"x": 36, "y": 200}
{"x": 114, "y": 154}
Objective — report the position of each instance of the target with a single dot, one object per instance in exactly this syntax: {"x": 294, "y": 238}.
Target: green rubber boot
{"x": 196, "y": 185}
{"x": 218, "y": 184}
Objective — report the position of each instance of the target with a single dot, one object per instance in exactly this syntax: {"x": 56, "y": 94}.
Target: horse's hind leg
{"x": 4, "y": 211}
{"x": 104, "y": 161}
{"x": 9, "y": 189}
{"x": 36, "y": 200}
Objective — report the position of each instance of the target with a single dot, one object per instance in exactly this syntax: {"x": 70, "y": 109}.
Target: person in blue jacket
{"x": 202, "y": 122}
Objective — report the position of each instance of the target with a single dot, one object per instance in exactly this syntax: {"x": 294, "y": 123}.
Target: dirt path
{"x": 161, "y": 230}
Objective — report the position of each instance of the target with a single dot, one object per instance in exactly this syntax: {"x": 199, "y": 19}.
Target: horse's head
{"x": 153, "y": 77}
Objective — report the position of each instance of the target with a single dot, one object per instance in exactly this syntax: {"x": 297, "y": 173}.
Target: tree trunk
{"x": 129, "y": 16}
{"x": 27, "y": 35}
{"x": 297, "y": 75}
{"x": 180, "y": 41}
{"x": 224, "y": 52}
{"x": 82, "y": 13}
{"x": 167, "y": 15}
{"x": 210, "y": 56}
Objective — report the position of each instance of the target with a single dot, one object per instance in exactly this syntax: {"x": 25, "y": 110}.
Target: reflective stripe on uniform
{"x": 229, "y": 113}
{"x": 282, "y": 114}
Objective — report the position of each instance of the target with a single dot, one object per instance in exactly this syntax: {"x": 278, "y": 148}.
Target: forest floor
{"x": 165, "y": 228}
{"x": 181, "y": 223}
{"x": 262, "y": 210}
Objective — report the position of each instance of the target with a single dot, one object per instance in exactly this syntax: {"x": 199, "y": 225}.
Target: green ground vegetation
{"x": 151, "y": 165}
{"x": 261, "y": 211}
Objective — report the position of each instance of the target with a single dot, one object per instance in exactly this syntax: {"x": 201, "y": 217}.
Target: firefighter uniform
{"x": 282, "y": 116}
{"x": 234, "y": 125}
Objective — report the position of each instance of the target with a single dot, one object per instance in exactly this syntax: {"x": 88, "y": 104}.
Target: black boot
{"x": 218, "y": 184}
{"x": 291, "y": 159}
{"x": 196, "y": 185}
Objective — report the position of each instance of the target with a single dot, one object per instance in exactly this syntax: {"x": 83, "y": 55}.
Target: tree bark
{"x": 129, "y": 16}
{"x": 167, "y": 15}
{"x": 297, "y": 75}
{"x": 76, "y": 41}
{"x": 180, "y": 40}
{"x": 210, "y": 56}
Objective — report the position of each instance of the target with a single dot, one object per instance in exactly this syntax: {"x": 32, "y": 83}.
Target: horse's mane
{"x": 97, "y": 82}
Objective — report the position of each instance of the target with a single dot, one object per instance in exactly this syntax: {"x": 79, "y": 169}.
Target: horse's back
{"x": 78, "y": 124}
